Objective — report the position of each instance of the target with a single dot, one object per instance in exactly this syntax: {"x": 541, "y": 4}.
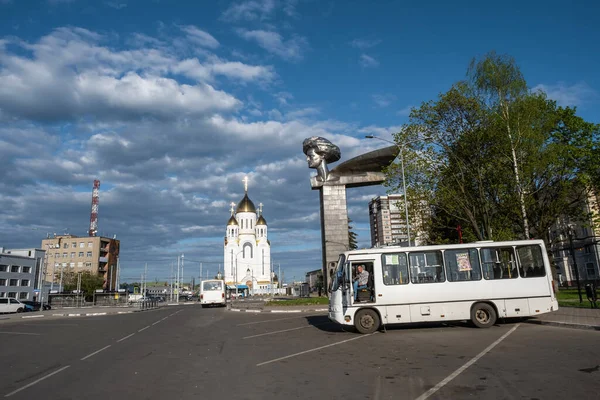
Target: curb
{"x": 564, "y": 325}
{"x": 277, "y": 311}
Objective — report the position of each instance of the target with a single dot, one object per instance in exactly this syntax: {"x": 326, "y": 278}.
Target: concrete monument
{"x": 363, "y": 170}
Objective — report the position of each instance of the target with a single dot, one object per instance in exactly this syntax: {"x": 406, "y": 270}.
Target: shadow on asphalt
{"x": 322, "y": 323}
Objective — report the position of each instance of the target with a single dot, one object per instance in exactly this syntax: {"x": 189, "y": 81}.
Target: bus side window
{"x": 531, "y": 261}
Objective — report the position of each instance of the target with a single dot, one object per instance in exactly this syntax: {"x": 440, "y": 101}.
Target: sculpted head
{"x": 319, "y": 151}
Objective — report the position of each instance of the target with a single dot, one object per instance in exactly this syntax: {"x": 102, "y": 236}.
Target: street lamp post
{"x": 401, "y": 152}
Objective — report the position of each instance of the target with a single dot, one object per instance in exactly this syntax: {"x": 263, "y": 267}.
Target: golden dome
{"x": 261, "y": 221}
{"x": 246, "y": 205}
{"x": 232, "y": 221}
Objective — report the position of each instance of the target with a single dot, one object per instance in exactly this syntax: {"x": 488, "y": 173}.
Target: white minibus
{"x": 479, "y": 281}
{"x": 212, "y": 292}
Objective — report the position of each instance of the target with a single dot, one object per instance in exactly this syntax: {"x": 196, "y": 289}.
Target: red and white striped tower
{"x": 94, "y": 214}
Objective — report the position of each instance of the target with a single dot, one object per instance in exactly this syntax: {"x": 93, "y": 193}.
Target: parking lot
{"x": 190, "y": 351}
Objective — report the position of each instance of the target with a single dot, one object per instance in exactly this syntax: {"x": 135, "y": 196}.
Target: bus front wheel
{"x": 366, "y": 321}
{"x": 483, "y": 315}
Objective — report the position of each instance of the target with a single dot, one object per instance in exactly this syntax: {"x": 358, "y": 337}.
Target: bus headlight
{"x": 347, "y": 318}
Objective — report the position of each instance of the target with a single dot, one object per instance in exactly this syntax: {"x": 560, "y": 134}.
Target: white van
{"x": 11, "y": 306}
{"x": 212, "y": 292}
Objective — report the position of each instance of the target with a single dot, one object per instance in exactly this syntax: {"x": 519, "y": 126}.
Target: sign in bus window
{"x": 462, "y": 265}
{"x": 395, "y": 269}
{"x": 531, "y": 261}
{"x": 499, "y": 263}
{"x": 426, "y": 266}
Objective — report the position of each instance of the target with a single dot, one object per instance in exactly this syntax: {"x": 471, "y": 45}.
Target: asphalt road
{"x": 190, "y": 352}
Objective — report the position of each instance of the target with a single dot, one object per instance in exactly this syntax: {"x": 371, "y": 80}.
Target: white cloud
{"x": 200, "y": 37}
{"x": 363, "y": 44}
{"x": 404, "y": 112}
{"x": 249, "y": 10}
{"x": 274, "y": 43}
{"x": 567, "y": 95}
{"x": 383, "y": 100}
{"x": 116, "y": 5}
{"x": 367, "y": 61}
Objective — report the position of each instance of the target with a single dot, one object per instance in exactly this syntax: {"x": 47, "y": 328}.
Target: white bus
{"x": 212, "y": 292}
{"x": 480, "y": 282}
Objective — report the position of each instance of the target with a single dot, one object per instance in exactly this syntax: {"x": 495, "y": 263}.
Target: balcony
{"x": 103, "y": 259}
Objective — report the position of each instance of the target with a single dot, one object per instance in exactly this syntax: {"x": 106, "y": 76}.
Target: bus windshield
{"x": 338, "y": 275}
{"x": 212, "y": 285}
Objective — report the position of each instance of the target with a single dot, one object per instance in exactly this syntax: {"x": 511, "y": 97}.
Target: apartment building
{"x": 581, "y": 240}
{"x": 387, "y": 220}
{"x": 71, "y": 253}
{"x": 19, "y": 273}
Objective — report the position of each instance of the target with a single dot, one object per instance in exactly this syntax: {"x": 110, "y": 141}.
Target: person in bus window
{"x": 360, "y": 280}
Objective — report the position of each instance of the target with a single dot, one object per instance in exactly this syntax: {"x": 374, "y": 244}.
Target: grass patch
{"x": 298, "y": 302}
{"x": 570, "y": 298}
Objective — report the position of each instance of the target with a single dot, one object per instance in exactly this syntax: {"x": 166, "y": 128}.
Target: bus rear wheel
{"x": 366, "y": 321}
{"x": 483, "y": 315}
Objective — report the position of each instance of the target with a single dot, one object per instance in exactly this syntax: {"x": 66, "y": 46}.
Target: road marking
{"x": 21, "y": 333}
{"x": 144, "y": 328}
{"x": 285, "y": 330}
{"x": 38, "y": 381}
{"x": 315, "y": 349}
{"x": 273, "y": 320}
{"x": 154, "y": 323}
{"x": 464, "y": 367}
{"x": 96, "y": 352}
{"x": 126, "y": 337}
{"x": 33, "y": 316}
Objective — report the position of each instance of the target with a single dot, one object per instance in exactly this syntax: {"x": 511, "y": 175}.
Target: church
{"x": 247, "y": 250}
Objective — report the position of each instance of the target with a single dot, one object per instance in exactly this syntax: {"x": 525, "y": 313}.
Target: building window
{"x": 89, "y": 254}
{"x": 2, "y": 282}
{"x": 24, "y": 282}
{"x": 74, "y": 245}
{"x": 13, "y": 282}
{"x": 2, "y": 294}
{"x": 81, "y": 254}
{"x": 3, "y": 268}
{"x": 73, "y": 255}
{"x": 12, "y": 295}
{"x": 80, "y": 264}
{"x": 14, "y": 268}
{"x": 72, "y": 265}
{"x": 90, "y": 244}
{"x": 26, "y": 270}
{"x": 88, "y": 265}
{"x": 64, "y": 265}
{"x": 81, "y": 245}
{"x": 591, "y": 271}
{"x": 23, "y": 296}
{"x": 65, "y": 255}
{"x": 66, "y": 246}
{"x": 587, "y": 249}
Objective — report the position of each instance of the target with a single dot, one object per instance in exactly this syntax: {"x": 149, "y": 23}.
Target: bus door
{"x": 363, "y": 287}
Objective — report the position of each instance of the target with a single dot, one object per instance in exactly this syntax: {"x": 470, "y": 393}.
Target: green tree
{"x": 89, "y": 282}
{"x": 491, "y": 156}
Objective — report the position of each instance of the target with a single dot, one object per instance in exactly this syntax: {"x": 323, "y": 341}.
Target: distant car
{"x": 35, "y": 306}
{"x": 9, "y": 305}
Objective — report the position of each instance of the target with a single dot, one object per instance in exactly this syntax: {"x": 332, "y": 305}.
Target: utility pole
{"x": 183, "y": 280}
{"x": 177, "y": 284}
{"x": 200, "y": 271}
{"x": 279, "y": 277}
{"x": 574, "y": 262}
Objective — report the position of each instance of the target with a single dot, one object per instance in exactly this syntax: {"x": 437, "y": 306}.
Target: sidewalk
{"x": 570, "y": 317}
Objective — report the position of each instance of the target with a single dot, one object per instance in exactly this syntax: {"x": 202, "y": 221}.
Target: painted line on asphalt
{"x": 311, "y": 350}
{"x": 275, "y": 332}
{"x": 144, "y": 328}
{"x": 96, "y": 352}
{"x": 38, "y": 381}
{"x": 33, "y": 316}
{"x": 22, "y": 333}
{"x": 271, "y": 320}
{"x": 154, "y": 323}
{"x": 126, "y": 337}
{"x": 464, "y": 367}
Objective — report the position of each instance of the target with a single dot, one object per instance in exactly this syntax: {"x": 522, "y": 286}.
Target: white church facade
{"x": 247, "y": 250}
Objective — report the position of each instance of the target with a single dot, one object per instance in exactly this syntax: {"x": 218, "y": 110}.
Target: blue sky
{"x": 170, "y": 104}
